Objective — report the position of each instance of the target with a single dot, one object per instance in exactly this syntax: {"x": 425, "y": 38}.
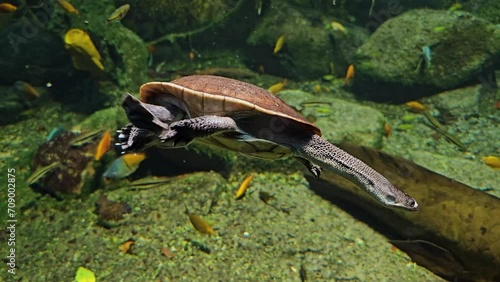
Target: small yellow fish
{"x": 103, "y": 146}
{"x": 243, "y": 187}
{"x": 417, "y": 106}
{"x": 492, "y": 161}
{"x": 349, "y": 74}
{"x": 7, "y": 8}
{"x": 279, "y": 44}
{"x": 119, "y": 13}
{"x": 336, "y": 26}
{"x": 317, "y": 88}
{"x": 198, "y": 223}
{"x": 125, "y": 247}
{"x": 67, "y": 6}
{"x": 275, "y": 88}
{"x": 387, "y": 130}
{"x": 454, "y": 7}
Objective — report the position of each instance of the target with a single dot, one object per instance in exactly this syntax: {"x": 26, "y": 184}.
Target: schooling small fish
{"x": 55, "y": 132}
{"x": 426, "y": 54}
{"x": 26, "y": 89}
{"x": 198, "y": 223}
{"x": 349, "y": 74}
{"x": 103, "y": 146}
{"x": 7, "y": 8}
{"x": 119, "y": 13}
{"x": 492, "y": 161}
{"x": 275, "y": 88}
{"x": 41, "y": 172}
{"x": 67, "y": 6}
{"x": 124, "y": 166}
{"x": 150, "y": 182}
{"x": 336, "y": 26}
{"x": 84, "y": 138}
{"x": 417, "y": 106}
{"x": 258, "y": 6}
{"x": 279, "y": 44}
{"x": 243, "y": 187}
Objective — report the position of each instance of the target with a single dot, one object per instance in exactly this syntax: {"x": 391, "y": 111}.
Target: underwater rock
{"x": 423, "y": 52}
{"x": 487, "y": 9}
{"x": 307, "y": 52}
{"x": 109, "y": 210}
{"x": 153, "y": 18}
{"x": 74, "y": 172}
{"x": 371, "y": 14}
{"x": 340, "y": 121}
{"x": 123, "y": 54}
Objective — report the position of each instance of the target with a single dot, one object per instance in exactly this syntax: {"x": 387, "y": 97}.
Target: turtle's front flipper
{"x": 314, "y": 169}
{"x": 182, "y": 132}
{"x": 133, "y": 139}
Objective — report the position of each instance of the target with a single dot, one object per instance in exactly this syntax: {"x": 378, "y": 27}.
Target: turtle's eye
{"x": 390, "y": 199}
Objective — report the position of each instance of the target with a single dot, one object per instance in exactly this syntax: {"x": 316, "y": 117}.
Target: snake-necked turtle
{"x": 245, "y": 118}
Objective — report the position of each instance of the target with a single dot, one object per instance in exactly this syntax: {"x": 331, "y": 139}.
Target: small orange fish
{"x": 279, "y": 44}
{"x": 387, "y": 130}
{"x": 133, "y": 159}
{"x": 417, "y": 106}
{"x": 103, "y": 146}
{"x": 191, "y": 55}
{"x": 67, "y": 6}
{"x": 492, "y": 161}
{"x": 275, "y": 88}
{"x": 26, "y": 89}
{"x": 7, "y": 8}
{"x": 243, "y": 187}
{"x": 350, "y": 74}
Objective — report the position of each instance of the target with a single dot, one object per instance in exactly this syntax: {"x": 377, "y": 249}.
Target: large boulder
{"x": 306, "y": 53}
{"x": 423, "y": 52}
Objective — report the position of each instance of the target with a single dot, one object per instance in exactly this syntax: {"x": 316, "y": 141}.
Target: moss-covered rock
{"x": 123, "y": 53}
{"x": 340, "y": 121}
{"x": 306, "y": 53}
{"x": 487, "y": 9}
{"x": 423, "y": 52}
{"x": 153, "y": 18}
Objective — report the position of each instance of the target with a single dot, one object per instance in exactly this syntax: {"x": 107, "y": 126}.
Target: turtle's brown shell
{"x": 215, "y": 95}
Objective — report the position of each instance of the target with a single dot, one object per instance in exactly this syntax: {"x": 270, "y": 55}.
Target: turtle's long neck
{"x": 328, "y": 156}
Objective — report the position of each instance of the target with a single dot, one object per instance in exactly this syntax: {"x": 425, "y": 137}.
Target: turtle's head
{"x": 394, "y": 198}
